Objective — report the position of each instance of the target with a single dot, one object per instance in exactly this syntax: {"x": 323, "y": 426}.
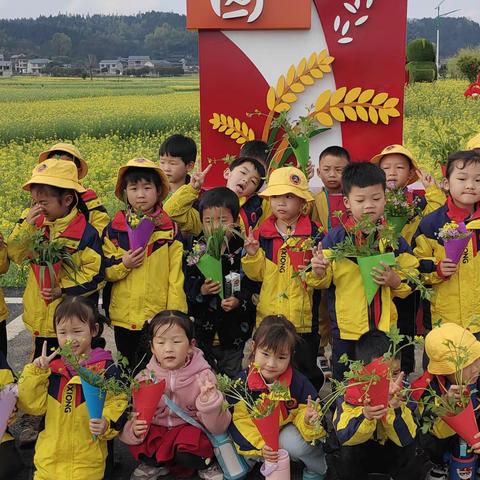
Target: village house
{"x": 36, "y": 65}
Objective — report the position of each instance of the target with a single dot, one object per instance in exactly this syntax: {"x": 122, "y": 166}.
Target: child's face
{"x": 366, "y": 201}
{"x": 53, "y": 207}
{"x": 73, "y": 330}
{"x": 214, "y": 217}
{"x": 171, "y": 347}
{"x": 270, "y": 364}
{"x": 243, "y": 180}
{"x": 286, "y": 207}
{"x": 397, "y": 168}
{"x": 469, "y": 374}
{"x": 330, "y": 172}
{"x": 142, "y": 195}
{"x": 175, "y": 169}
{"x": 464, "y": 184}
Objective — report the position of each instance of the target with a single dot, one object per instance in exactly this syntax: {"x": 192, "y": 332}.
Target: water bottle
{"x": 463, "y": 467}
{"x": 233, "y": 465}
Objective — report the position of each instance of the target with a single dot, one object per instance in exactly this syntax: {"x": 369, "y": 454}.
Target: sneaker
{"x": 147, "y": 472}
{"x": 324, "y": 366}
{"x": 211, "y": 473}
{"x": 438, "y": 472}
{"x": 30, "y": 428}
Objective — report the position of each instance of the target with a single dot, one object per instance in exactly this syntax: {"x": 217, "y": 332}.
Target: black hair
{"x": 220, "y": 197}
{"x": 170, "y": 318}
{"x": 336, "y": 151}
{"x": 275, "y": 333}
{"x": 86, "y": 311}
{"x": 362, "y": 175}
{"x": 136, "y": 174}
{"x": 461, "y": 160}
{"x": 257, "y": 149}
{"x": 75, "y": 160}
{"x": 371, "y": 345}
{"x": 178, "y": 145}
{"x": 257, "y": 165}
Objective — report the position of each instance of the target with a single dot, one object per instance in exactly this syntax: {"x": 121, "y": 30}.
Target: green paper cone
{"x": 211, "y": 268}
{"x": 366, "y": 264}
{"x": 397, "y": 223}
{"x": 302, "y": 152}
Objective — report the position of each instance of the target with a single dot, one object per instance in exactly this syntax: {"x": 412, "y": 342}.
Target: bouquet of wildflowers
{"x": 398, "y": 210}
{"x": 455, "y": 238}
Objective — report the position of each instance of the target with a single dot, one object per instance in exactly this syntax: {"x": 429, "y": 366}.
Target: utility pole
{"x": 437, "y": 8}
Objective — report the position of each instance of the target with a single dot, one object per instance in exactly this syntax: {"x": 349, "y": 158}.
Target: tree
{"x": 61, "y": 44}
{"x": 468, "y": 62}
{"x": 91, "y": 65}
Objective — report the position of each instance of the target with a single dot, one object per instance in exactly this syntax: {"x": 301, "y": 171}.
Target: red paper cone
{"x": 44, "y": 275}
{"x": 269, "y": 428}
{"x": 464, "y": 424}
{"x": 146, "y": 399}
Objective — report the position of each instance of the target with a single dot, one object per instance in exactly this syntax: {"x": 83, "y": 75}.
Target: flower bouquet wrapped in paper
{"x": 455, "y": 238}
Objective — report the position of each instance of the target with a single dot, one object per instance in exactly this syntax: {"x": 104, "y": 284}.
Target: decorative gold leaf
{"x": 282, "y": 107}
{"x": 337, "y": 114}
{"x": 271, "y": 97}
{"x": 391, "y": 103}
{"x": 289, "y": 98}
{"x": 322, "y": 56}
{"x": 280, "y": 86}
{"x": 291, "y": 75}
{"x": 366, "y": 95}
{"x": 223, "y": 119}
{"x": 230, "y": 122}
{"x": 362, "y": 113}
{"x": 383, "y": 116}
{"x": 379, "y": 98}
{"x": 316, "y": 73}
{"x": 251, "y": 135}
{"x": 229, "y": 131}
{"x": 222, "y": 128}
{"x": 306, "y": 80}
{"x": 338, "y": 96}
{"x": 301, "y": 67}
{"x": 241, "y": 140}
{"x": 322, "y": 100}
{"x": 392, "y": 112}
{"x": 232, "y": 127}
{"x": 324, "y": 119}
{"x": 325, "y": 68}
{"x": 235, "y": 135}
{"x": 245, "y": 129}
{"x": 350, "y": 113}
{"x": 372, "y": 113}
{"x": 312, "y": 61}
{"x": 297, "y": 88}
{"x": 352, "y": 95}
{"x": 238, "y": 124}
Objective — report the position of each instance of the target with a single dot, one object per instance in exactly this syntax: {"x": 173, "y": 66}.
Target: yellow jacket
{"x": 455, "y": 299}
{"x": 352, "y": 428}
{"x": 4, "y": 264}
{"x": 82, "y": 241}
{"x": 139, "y": 294}
{"x": 97, "y": 214}
{"x": 243, "y": 430}
{"x": 180, "y": 207}
{"x": 324, "y": 206}
{"x": 347, "y": 302}
{"x": 6, "y": 377}
{"x": 275, "y": 265}
{"x": 65, "y": 448}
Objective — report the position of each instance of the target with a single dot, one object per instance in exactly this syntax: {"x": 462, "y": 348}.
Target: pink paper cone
{"x": 464, "y": 424}
{"x": 454, "y": 248}
{"x": 8, "y": 400}
{"x": 139, "y": 236}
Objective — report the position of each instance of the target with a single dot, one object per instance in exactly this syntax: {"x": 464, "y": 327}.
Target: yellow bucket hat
{"x": 287, "y": 180}
{"x": 474, "y": 142}
{"x": 56, "y": 173}
{"x": 441, "y": 344}
{"x": 71, "y": 150}
{"x": 395, "y": 148}
{"x": 142, "y": 163}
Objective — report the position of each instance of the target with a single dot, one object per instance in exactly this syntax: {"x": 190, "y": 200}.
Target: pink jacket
{"x": 183, "y": 389}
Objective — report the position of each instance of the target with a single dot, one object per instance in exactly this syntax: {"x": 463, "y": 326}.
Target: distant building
{"x": 112, "y": 67}
{"x": 137, "y": 61}
{"x": 5, "y": 68}
{"x": 36, "y": 65}
{"x": 19, "y": 63}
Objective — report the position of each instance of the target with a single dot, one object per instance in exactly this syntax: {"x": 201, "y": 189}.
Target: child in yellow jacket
{"x": 4, "y": 264}
{"x": 72, "y": 446}
{"x": 276, "y": 255}
{"x": 146, "y": 280}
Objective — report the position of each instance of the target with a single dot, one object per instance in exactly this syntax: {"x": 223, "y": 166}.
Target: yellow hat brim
{"x": 82, "y": 171}
{"x": 274, "y": 190}
{"x": 402, "y": 151}
{"x": 54, "y": 182}
{"x": 158, "y": 170}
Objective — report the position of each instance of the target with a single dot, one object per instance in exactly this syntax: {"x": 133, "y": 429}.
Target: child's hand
{"x": 208, "y": 390}
{"x": 269, "y": 455}
{"x": 311, "y": 413}
{"x": 139, "y": 427}
{"x": 454, "y": 393}
{"x": 210, "y": 287}
{"x": 374, "y": 413}
{"x": 51, "y": 294}
{"x": 447, "y": 267}
{"x": 33, "y": 214}
{"x": 476, "y": 446}
{"x": 134, "y": 258}
{"x": 251, "y": 244}
{"x": 395, "y": 387}
{"x": 310, "y": 170}
{"x": 319, "y": 262}
{"x": 230, "y": 303}
{"x": 426, "y": 179}
{"x": 98, "y": 426}
{"x": 386, "y": 276}
{"x": 197, "y": 178}
{"x": 43, "y": 361}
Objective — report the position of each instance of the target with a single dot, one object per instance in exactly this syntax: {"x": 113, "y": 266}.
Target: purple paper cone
{"x": 139, "y": 236}
{"x": 454, "y": 248}
{"x": 8, "y": 400}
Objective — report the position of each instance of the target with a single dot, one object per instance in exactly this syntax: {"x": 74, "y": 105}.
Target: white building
{"x": 19, "y": 63}
{"x": 137, "y": 61}
{"x": 111, "y": 67}
{"x": 36, "y": 65}
{"x": 5, "y": 68}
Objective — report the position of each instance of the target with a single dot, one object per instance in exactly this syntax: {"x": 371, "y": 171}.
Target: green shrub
{"x": 468, "y": 63}
{"x": 421, "y": 71}
{"x": 421, "y": 50}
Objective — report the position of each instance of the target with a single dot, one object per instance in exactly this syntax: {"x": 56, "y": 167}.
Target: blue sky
{"x": 34, "y": 8}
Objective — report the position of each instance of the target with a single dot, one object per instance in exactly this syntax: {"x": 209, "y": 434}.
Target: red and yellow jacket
{"x": 4, "y": 264}
{"x": 325, "y": 205}
{"x": 139, "y": 294}
{"x": 83, "y": 243}
{"x": 97, "y": 213}
{"x": 276, "y": 265}
{"x": 65, "y": 447}
{"x": 245, "y": 434}
{"x": 455, "y": 299}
